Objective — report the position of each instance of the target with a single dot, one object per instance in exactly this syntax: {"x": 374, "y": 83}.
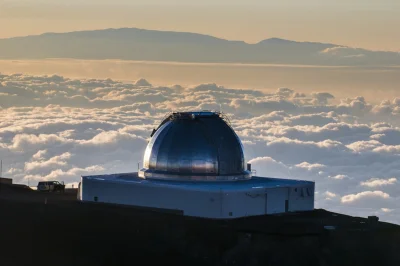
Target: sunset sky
{"x": 357, "y": 23}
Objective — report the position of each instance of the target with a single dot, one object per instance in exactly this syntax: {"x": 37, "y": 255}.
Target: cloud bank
{"x": 56, "y": 128}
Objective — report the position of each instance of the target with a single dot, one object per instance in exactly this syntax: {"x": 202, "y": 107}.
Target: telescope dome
{"x": 198, "y": 146}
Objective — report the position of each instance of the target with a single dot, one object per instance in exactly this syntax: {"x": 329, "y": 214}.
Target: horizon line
{"x": 197, "y": 33}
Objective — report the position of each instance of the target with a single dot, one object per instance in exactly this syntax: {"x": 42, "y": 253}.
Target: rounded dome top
{"x": 194, "y": 146}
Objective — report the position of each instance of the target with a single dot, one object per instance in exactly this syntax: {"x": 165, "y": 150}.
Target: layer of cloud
{"x": 376, "y": 182}
{"x": 363, "y": 195}
{"x": 58, "y": 128}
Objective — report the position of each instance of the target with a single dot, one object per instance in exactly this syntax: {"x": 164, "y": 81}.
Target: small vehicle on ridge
{"x": 51, "y": 186}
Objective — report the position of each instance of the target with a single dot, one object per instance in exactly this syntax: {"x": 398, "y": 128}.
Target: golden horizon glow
{"x": 374, "y": 84}
{"x": 360, "y": 25}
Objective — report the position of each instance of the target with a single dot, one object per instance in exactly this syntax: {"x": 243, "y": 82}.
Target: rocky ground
{"x": 55, "y": 229}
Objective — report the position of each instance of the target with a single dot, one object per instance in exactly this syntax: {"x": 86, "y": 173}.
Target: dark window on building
{"x": 286, "y": 205}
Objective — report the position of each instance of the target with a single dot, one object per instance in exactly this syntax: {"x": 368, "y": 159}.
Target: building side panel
{"x": 192, "y": 203}
{"x": 243, "y": 203}
{"x": 301, "y": 198}
{"x": 276, "y": 199}
{"x": 209, "y": 204}
{"x": 200, "y": 203}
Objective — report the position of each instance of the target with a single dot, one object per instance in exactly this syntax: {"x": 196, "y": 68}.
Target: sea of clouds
{"x": 56, "y": 128}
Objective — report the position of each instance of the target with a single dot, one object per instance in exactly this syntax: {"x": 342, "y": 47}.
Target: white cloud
{"x": 386, "y": 210}
{"x": 364, "y": 195}
{"x": 67, "y": 176}
{"x": 321, "y": 97}
{"x": 39, "y": 155}
{"x": 54, "y": 162}
{"x": 60, "y": 128}
{"x": 310, "y": 166}
{"x": 339, "y": 177}
{"x": 343, "y": 51}
{"x": 270, "y": 167}
{"x": 376, "y": 182}
{"x": 330, "y": 195}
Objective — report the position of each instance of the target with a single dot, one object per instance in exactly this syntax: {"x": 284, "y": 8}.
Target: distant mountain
{"x": 151, "y": 45}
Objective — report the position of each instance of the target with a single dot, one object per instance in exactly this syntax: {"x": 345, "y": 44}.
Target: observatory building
{"x": 194, "y": 165}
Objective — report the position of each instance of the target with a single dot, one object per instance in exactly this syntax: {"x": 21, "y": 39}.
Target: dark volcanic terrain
{"x": 55, "y": 229}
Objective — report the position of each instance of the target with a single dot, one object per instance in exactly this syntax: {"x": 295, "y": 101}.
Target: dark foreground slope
{"x": 66, "y": 232}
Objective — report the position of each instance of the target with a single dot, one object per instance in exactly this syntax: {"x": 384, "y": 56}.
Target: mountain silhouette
{"x": 152, "y": 45}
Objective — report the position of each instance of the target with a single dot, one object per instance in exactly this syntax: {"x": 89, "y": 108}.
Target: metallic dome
{"x": 197, "y": 146}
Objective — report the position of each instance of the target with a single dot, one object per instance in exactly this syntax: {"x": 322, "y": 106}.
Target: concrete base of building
{"x": 215, "y": 200}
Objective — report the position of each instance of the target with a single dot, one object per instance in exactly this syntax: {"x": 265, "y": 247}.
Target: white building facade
{"x": 258, "y": 196}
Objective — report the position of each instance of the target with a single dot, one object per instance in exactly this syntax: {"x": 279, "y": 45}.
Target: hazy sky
{"x": 375, "y": 84}
{"x": 370, "y": 24}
